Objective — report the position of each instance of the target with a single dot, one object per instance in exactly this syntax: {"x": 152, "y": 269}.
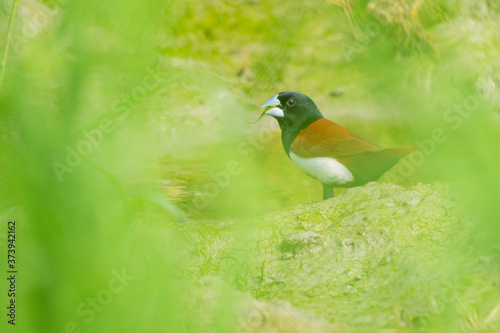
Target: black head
{"x": 292, "y": 110}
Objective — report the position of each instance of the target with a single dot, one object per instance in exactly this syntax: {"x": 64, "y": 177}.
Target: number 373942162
{"x": 11, "y": 245}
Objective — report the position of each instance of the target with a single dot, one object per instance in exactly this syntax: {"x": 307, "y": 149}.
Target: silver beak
{"x": 273, "y": 103}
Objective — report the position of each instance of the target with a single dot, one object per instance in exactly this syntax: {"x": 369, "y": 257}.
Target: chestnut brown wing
{"x": 324, "y": 138}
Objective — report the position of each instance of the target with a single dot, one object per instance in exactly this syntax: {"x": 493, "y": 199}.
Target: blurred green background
{"x": 146, "y": 199}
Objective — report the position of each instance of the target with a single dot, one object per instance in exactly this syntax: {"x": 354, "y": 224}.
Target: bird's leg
{"x": 328, "y": 191}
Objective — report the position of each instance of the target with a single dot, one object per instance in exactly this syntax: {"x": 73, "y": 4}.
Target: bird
{"x": 325, "y": 150}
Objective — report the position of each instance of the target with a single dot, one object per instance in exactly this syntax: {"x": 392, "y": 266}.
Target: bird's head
{"x": 291, "y": 108}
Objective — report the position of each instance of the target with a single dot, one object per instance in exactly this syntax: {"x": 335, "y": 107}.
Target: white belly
{"x": 325, "y": 169}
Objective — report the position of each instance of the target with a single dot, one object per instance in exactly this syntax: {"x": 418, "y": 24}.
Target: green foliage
{"x": 130, "y": 162}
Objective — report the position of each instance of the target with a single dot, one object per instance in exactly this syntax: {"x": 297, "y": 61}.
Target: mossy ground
{"x": 378, "y": 256}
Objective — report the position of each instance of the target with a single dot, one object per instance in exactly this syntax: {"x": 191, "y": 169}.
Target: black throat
{"x": 290, "y": 130}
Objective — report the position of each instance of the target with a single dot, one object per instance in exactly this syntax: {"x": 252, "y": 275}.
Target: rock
{"x": 349, "y": 261}
{"x": 253, "y": 316}
{"x": 301, "y": 241}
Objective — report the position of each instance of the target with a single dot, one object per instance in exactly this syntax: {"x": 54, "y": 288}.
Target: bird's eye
{"x": 290, "y": 102}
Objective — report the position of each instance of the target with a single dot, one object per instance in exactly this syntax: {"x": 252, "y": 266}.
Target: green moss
{"x": 378, "y": 256}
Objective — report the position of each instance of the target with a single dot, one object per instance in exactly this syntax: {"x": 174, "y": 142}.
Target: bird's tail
{"x": 400, "y": 152}
{"x": 369, "y": 166}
